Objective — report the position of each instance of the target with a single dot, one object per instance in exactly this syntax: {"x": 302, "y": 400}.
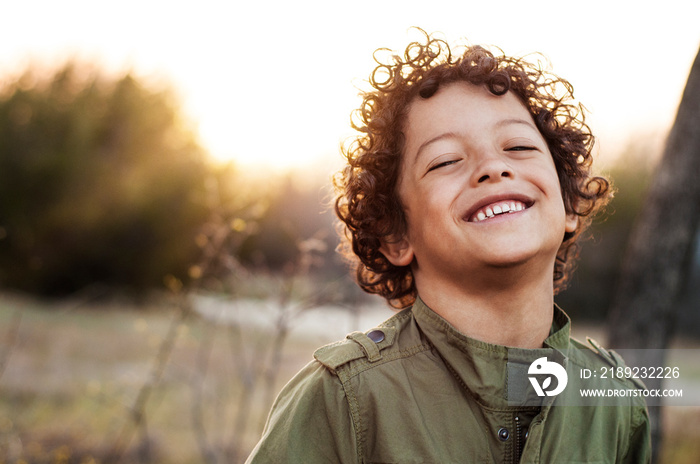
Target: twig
{"x": 138, "y": 410}
{"x": 247, "y": 378}
{"x": 197, "y": 411}
{"x": 12, "y": 335}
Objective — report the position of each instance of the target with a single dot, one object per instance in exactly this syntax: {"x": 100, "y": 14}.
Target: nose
{"x": 492, "y": 168}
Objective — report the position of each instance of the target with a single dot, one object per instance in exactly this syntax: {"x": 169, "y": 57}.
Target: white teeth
{"x": 496, "y": 209}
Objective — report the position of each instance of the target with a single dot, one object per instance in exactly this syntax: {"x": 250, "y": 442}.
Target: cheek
{"x": 561, "y": 190}
{"x": 436, "y": 201}
{"x": 425, "y": 210}
{"x": 553, "y": 174}
{"x": 419, "y": 195}
{"x": 549, "y": 180}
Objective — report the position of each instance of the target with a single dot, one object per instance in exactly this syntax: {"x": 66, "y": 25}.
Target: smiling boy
{"x": 463, "y": 198}
{"x": 484, "y": 213}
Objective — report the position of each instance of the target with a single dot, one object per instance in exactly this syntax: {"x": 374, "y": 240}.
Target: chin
{"x": 520, "y": 260}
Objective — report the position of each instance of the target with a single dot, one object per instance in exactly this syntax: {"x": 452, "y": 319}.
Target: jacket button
{"x": 503, "y": 434}
{"x": 376, "y": 336}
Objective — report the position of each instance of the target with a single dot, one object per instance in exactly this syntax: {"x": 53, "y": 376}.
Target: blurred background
{"x": 167, "y": 245}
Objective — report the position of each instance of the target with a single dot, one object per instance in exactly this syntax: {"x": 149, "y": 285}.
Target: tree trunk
{"x": 657, "y": 260}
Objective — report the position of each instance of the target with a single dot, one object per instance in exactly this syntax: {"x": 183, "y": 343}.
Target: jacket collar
{"x": 485, "y": 369}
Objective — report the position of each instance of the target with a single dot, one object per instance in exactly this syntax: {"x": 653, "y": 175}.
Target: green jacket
{"x": 415, "y": 390}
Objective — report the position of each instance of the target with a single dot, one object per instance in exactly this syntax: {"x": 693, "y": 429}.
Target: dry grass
{"x": 72, "y": 373}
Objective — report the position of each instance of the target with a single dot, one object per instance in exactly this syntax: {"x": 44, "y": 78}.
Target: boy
{"x": 463, "y": 199}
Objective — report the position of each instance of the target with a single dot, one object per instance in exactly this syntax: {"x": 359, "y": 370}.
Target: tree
{"x": 590, "y": 292}
{"x": 660, "y": 248}
{"x": 99, "y": 178}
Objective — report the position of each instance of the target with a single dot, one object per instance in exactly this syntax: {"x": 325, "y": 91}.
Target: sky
{"x": 271, "y": 84}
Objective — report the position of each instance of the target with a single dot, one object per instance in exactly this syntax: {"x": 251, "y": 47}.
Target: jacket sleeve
{"x": 310, "y": 422}
{"x": 639, "y": 450}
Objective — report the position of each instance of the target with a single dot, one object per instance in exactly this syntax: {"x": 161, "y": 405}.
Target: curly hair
{"x": 367, "y": 201}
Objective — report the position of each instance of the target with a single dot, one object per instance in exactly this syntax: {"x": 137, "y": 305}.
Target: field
{"x": 88, "y": 383}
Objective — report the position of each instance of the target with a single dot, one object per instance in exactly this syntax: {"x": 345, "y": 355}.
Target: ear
{"x": 398, "y": 252}
{"x": 571, "y": 223}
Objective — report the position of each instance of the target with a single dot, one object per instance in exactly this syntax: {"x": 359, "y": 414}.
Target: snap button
{"x": 503, "y": 434}
{"x": 376, "y": 336}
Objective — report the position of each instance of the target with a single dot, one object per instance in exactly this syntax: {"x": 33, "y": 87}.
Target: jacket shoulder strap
{"x": 368, "y": 345}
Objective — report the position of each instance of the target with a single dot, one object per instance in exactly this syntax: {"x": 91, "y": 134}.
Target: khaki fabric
{"x": 422, "y": 392}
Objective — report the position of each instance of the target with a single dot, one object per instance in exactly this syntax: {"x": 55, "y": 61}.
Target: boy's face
{"x": 478, "y": 185}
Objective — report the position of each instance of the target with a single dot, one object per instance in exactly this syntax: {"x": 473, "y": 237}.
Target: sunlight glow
{"x": 273, "y": 85}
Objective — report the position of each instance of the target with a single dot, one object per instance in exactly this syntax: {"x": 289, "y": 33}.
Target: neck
{"x": 513, "y": 309}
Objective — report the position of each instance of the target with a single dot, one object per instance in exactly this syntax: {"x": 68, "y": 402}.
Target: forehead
{"x": 461, "y": 106}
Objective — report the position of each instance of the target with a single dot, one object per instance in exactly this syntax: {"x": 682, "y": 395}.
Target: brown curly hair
{"x": 367, "y": 202}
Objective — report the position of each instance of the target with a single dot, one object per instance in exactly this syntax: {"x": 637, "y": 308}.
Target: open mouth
{"x": 498, "y": 208}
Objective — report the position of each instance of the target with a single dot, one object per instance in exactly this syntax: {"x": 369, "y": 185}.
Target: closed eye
{"x": 442, "y": 165}
{"x": 521, "y": 148}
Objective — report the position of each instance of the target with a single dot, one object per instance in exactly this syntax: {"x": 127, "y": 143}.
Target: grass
{"x": 73, "y": 372}
{"x": 72, "y": 375}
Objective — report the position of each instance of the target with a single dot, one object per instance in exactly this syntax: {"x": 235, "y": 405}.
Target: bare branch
{"x": 12, "y": 335}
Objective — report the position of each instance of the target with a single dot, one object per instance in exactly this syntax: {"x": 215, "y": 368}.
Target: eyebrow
{"x": 506, "y": 122}
{"x": 451, "y": 135}
{"x": 427, "y": 143}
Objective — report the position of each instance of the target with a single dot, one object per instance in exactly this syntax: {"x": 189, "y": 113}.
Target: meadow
{"x": 85, "y": 381}
{"x": 114, "y": 381}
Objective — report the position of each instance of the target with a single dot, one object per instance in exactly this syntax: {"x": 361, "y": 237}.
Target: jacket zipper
{"x": 518, "y": 440}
